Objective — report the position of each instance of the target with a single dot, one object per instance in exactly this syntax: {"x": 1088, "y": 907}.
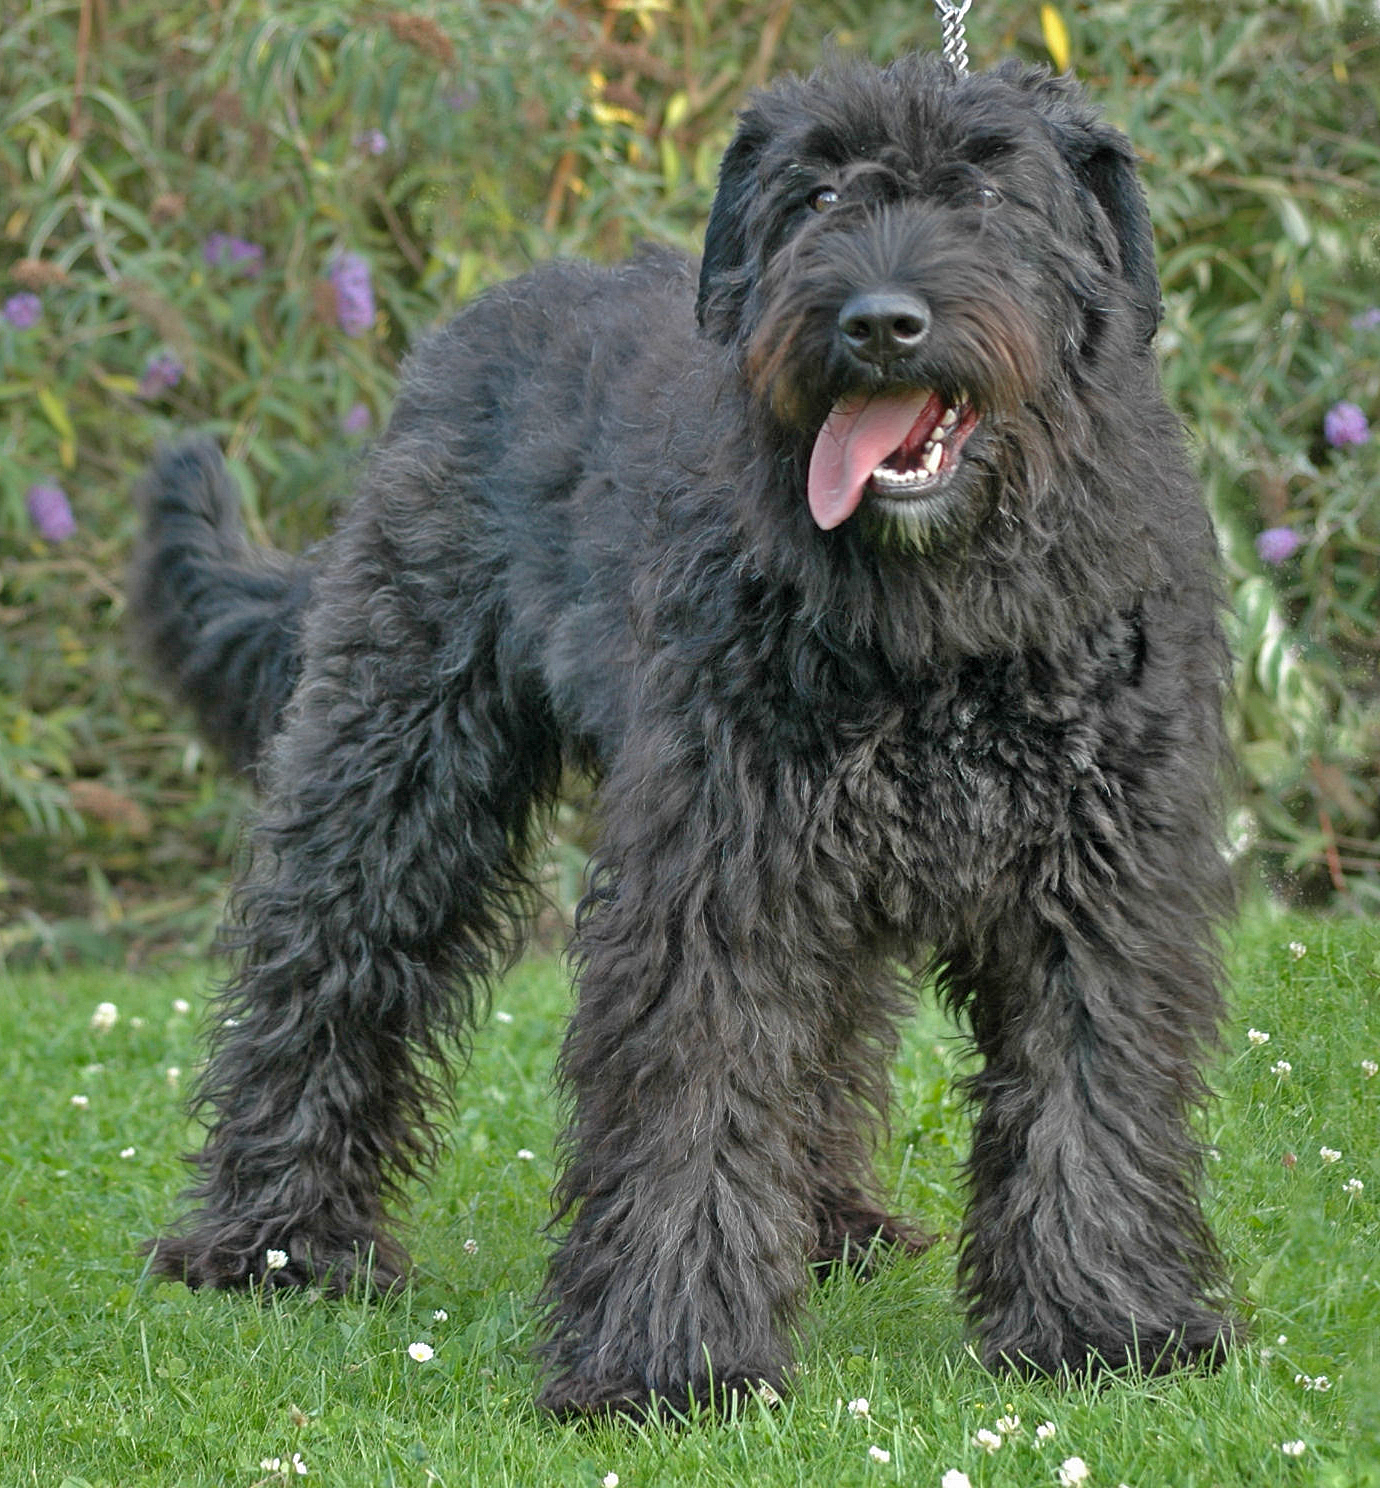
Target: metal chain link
{"x": 955, "y": 42}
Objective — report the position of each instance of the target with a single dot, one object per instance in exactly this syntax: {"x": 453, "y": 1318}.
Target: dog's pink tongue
{"x": 856, "y": 437}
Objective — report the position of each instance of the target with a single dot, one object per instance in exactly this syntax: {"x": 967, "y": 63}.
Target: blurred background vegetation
{"x": 235, "y": 214}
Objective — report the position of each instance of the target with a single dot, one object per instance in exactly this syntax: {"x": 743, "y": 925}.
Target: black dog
{"x": 875, "y": 587}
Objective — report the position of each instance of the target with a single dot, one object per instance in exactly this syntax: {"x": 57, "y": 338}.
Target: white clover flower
{"x": 1073, "y": 1470}
{"x": 1353, "y": 1187}
{"x": 172, "y": 1075}
{"x": 1329, "y": 1155}
{"x": 421, "y": 1352}
{"x": 525, "y": 1154}
{"x": 955, "y": 1479}
{"x": 1282, "y": 1068}
{"x": 470, "y": 1247}
{"x": 858, "y": 1407}
{"x": 80, "y": 1101}
{"x": 137, "y": 1022}
{"x": 181, "y": 1006}
{"x": 989, "y": 1441}
{"x": 1255, "y": 1037}
{"x": 105, "y": 1017}
{"x": 275, "y": 1260}
{"x": 879, "y": 1454}
{"x": 1009, "y": 1425}
{"x": 1297, "y": 950}
{"x": 298, "y": 1466}
{"x": 1293, "y": 1448}
{"x": 1044, "y": 1431}
{"x": 126, "y": 1151}
{"x": 1282, "y": 1339}
{"x": 1369, "y": 1068}
{"x": 609, "y": 1480}
{"x": 501, "y": 1017}
{"x": 440, "y": 1315}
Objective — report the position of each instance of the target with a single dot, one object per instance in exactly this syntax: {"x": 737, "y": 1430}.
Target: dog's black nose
{"x": 882, "y": 325}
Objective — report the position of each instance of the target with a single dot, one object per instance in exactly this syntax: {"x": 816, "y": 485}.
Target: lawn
{"x": 109, "y": 1379}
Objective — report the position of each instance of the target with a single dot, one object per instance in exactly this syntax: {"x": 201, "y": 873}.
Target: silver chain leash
{"x": 955, "y": 42}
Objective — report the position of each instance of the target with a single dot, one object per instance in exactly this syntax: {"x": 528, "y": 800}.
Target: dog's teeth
{"x": 898, "y": 480}
{"x": 934, "y": 457}
{"x": 950, "y": 418}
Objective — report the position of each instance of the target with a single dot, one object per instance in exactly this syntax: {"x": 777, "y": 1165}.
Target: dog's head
{"x": 918, "y": 271}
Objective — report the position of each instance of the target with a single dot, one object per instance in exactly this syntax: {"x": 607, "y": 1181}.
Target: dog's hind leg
{"x": 386, "y": 877}
{"x": 847, "y": 1107}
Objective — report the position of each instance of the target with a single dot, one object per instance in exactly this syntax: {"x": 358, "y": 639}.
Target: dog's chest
{"x": 955, "y": 789}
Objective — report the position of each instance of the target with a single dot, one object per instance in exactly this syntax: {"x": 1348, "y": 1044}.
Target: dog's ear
{"x": 725, "y": 274}
{"x": 1106, "y": 164}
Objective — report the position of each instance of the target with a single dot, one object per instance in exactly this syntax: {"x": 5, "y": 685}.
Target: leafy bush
{"x": 237, "y": 217}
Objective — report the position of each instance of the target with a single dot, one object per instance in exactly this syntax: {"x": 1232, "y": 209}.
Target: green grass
{"x": 108, "y": 1379}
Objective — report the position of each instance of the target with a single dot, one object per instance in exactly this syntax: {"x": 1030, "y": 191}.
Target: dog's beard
{"x": 923, "y": 526}
{"x": 914, "y": 528}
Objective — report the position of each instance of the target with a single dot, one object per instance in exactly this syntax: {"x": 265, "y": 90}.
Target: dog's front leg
{"x": 685, "y": 1258}
{"x": 708, "y": 1009}
{"x": 1085, "y": 1246}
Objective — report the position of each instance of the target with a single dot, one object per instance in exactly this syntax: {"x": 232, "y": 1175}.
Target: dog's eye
{"x": 987, "y": 196}
{"x": 823, "y": 198}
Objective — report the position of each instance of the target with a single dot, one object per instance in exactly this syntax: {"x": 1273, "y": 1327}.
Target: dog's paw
{"x": 223, "y": 1262}
{"x": 859, "y": 1237}
{"x": 1201, "y": 1343}
{"x": 573, "y": 1397}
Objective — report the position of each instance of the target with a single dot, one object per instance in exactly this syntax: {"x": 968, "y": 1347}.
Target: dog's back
{"x": 220, "y": 619}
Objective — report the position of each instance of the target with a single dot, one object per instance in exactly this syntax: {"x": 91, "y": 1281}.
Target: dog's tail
{"x": 219, "y": 619}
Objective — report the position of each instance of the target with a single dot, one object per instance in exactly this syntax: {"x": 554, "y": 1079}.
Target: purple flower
{"x": 160, "y": 373}
{"x": 1277, "y": 544}
{"x": 224, "y": 251}
{"x": 1367, "y": 320}
{"x": 22, "y": 311}
{"x": 1344, "y": 423}
{"x": 371, "y": 142}
{"x": 461, "y": 99}
{"x": 354, "y": 294}
{"x": 50, "y": 512}
{"x": 357, "y": 420}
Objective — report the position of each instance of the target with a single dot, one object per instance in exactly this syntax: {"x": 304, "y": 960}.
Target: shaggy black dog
{"x": 872, "y": 583}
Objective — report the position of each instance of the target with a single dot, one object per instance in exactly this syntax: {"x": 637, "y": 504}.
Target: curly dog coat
{"x": 868, "y": 576}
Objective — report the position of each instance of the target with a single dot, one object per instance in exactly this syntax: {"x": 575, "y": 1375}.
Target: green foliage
{"x": 111, "y": 1380}
{"x": 1261, "y": 130}
{"x": 451, "y": 144}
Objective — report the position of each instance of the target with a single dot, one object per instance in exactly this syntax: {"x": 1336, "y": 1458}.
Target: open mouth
{"x": 899, "y": 447}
